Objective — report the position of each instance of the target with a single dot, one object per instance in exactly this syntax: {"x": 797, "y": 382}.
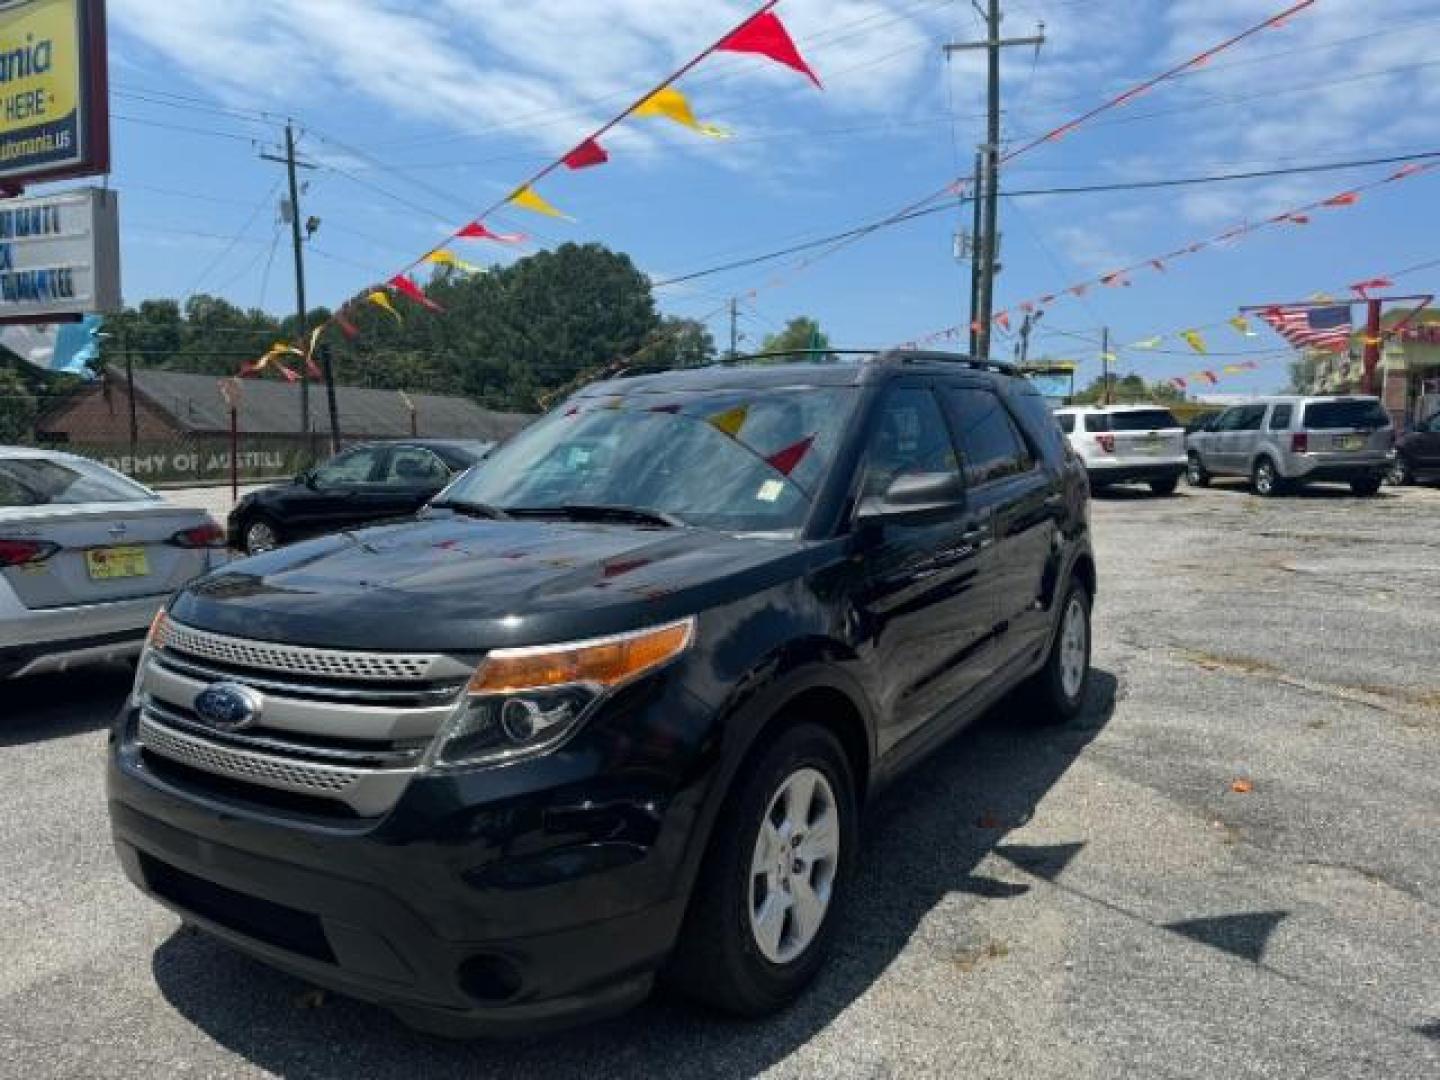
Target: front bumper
{"x": 501, "y": 902}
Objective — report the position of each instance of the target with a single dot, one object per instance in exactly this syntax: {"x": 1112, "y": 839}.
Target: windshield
{"x": 747, "y": 460}
{"x": 1324, "y": 415}
{"x": 64, "y": 482}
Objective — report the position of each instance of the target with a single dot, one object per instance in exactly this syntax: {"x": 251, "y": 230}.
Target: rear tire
{"x": 1195, "y": 474}
{"x": 1165, "y": 487}
{"x": 1265, "y": 480}
{"x": 1367, "y": 488}
{"x": 1399, "y": 473}
{"x": 763, "y": 910}
{"x": 1056, "y": 693}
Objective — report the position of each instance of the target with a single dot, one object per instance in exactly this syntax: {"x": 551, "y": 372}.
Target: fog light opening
{"x": 492, "y": 980}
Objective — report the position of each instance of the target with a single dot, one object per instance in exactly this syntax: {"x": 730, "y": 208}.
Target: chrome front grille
{"x": 367, "y": 792}
{"x": 347, "y": 727}
{"x": 302, "y": 660}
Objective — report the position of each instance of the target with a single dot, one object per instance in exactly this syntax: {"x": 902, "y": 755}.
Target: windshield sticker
{"x": 770, "y": 491}
{"x": 731, "y": 421}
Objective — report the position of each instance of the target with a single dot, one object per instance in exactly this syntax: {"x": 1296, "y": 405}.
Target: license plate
{"x": 110, "y": 564}
{"x": 1352, "y": 442}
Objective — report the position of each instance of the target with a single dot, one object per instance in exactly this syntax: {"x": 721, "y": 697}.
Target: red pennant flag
{"x": 1364, "y": 287}
{"x": 1158, "y": 264}
{"x": 1349, "y": 198}
{"x": 765, "y": 35}
{"x": 1116, "y": 279}
{"x": 403, "y": 285}
{"x": 787, "y": 460}
{"x": 478, "y": 230}
{"x": 1210, "y": 377}
{"x": 1080, "y": 290}
{"x": 975, "y": 327}
{"x": 347, "y": 328}
{"x": 1060, "y": 132}
{"x": 1003, "y": 319}
{"x": 1410, "y": 170}
{"x": 1179, "y": 384}
{"x": 1028, "y": 308}
{"x": 1047, "y": 300}
{"x": 1298, "y": 219}
{"x": 586, "y": 155}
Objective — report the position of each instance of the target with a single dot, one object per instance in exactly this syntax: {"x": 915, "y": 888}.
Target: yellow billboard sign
{"x": 53, "y": 120}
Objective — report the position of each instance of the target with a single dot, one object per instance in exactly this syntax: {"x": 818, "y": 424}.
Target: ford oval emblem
{"x": 229, "y": 707}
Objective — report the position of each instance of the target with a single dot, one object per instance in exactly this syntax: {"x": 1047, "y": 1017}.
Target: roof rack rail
{"x": 915, "y": 356}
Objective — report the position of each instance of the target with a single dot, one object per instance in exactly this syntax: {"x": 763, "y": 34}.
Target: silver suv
{"x": 1285, "y": 442}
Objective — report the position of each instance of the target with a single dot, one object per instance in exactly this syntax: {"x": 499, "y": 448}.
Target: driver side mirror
{"x": 913, "y": 497}
{"x": 307, "y": 479}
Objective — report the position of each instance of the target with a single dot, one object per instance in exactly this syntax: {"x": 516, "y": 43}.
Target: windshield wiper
{"x": 633, "y": 515}
{"x": 471, "y": 509}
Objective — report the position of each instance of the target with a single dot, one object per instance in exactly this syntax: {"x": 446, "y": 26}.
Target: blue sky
{"x": 421, "y": 114}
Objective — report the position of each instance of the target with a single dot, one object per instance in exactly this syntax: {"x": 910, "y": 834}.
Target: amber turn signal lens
{"x": 605, "y": 662}
{"x": 155, "y": 639}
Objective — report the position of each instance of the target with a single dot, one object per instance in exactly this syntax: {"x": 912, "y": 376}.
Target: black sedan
{"x": 361, "y": 486}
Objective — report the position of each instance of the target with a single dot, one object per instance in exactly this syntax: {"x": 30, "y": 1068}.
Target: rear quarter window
{"x": 1144, "y": 420}
{"x": 1325, "y": 415}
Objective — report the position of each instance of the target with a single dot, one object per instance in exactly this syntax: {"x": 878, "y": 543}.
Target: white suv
{"x": 1122, "y": 444}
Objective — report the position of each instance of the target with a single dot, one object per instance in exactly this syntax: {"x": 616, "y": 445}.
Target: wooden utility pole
{"x": 978, "y": 224}
{"x": 1105, "y": 364}
{"x": 734, "y": 328}
{"x": 987, "y": 243}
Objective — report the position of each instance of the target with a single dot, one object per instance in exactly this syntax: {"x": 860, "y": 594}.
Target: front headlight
{"x": 525, "y": 702}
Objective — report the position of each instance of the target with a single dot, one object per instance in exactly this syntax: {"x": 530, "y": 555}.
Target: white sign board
{"x": 59, "y": 255}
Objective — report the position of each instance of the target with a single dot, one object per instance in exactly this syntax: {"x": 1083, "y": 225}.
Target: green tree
{"x": 1304, "y": 370}
{"x": 1129, "y": 389}
{"x": 799, "y": 334}
{"x": 679, "y": 343}
{"x": 18, "y": 408}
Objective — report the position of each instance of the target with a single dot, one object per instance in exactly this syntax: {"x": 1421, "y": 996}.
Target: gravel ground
{"x": 1097, "y": 901}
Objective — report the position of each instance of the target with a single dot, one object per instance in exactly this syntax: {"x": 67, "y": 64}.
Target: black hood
{"x": 458, "y": 584}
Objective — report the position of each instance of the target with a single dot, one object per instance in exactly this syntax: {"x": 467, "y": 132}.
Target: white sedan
{"x": 87, "y": 557}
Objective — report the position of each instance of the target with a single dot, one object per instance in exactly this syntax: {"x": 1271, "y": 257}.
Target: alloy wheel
{"x": 1074, "y": 649}
{"x": 260, "y": 537}
{"x": 1265, "y": 478}
{"x": 793, "y": 868}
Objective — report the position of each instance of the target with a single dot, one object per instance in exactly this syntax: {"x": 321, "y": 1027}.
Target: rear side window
{"x": 1249, "y": 418}
{"x": 1143, "y": 420}
{"x": 990, "y": 443}
{"x": 44, "y": 482}
{"x": 1067, "y": 423}
{"x": 1097, "y": 422}
{"x": 1326, "y": 415}
{"x": 1280, "y": 417}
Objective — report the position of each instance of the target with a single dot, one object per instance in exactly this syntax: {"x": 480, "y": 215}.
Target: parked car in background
{"x": 1202, "y": 422}
{"x": 1123, "y": 444}
{"x": 1283, "y": 443}
{"x": 363, "y": 485}
{"x": 87, "y": 557}
{"x": 1417, "y": 453}
{"x": 613, "y": 705}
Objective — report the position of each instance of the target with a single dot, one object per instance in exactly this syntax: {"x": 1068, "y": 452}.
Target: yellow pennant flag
{"x": 1195, "y": 341}
{"x": 1233, "y": 369}
{"x": 527, "y": 198}
{"x": 449, "y": 258}
{"x": 381, "y": 300}
{"x": 1110, "y": 357}
{"x": 671, "y": 104}
{"x": 731, "y": 421}
{"x": 1240, "y": 323}
{"x": 1149, "y": 343}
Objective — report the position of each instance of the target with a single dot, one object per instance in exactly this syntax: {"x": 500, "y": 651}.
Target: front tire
{"x": 1056, "y": 693}
{"x": 1399, "y": 474}
{"x": 1166, "y": 487}
{"x": 259, "y": 535}
{"x": 763, "y": 911}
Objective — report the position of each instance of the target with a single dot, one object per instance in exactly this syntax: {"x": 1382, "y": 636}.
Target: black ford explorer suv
{"x": 610, "y": 708}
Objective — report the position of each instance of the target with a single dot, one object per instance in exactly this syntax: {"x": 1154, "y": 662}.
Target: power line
{"x": 1133, "y": 185}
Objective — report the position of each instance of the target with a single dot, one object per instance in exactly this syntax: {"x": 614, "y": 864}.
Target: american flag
{"x": 1327, "y": 329}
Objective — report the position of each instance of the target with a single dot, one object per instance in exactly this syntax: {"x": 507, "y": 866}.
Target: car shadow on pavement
{"x": 924, "y": 839}
{"x": 43, "y": 707}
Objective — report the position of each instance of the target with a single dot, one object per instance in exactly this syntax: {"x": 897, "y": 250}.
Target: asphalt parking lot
{"x": 1228, "y": 867}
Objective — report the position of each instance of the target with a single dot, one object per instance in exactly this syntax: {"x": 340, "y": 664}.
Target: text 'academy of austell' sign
{"x": 54, "y": 92}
